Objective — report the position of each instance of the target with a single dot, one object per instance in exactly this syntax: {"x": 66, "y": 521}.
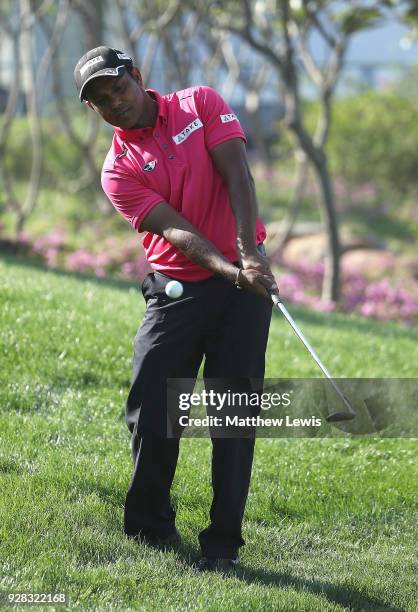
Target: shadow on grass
{"x": 189, "y": 555}
{"x": 337, "y": 594}
{"x": 346, "y": 596}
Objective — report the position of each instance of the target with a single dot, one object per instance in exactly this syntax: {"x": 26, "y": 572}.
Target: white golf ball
{"x": 174, "y": 289}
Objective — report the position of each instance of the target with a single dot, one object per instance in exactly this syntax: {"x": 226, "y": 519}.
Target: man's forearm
{"x": 230, "y": 159}
{"x": 244, "y": 206}
{"x": 201, "y": 251}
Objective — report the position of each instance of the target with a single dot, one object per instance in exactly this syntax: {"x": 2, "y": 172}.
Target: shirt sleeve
{"x": 130, "y": 198}
{"x": 219, "y": 121}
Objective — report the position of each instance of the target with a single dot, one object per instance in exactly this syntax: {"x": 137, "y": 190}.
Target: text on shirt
{"x": 229, "y": 117}
{"x": 189, "y": 129}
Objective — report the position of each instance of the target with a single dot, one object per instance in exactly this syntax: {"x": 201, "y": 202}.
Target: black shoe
{"x": 211, "y": 564}
{"x": 172, "y": 541}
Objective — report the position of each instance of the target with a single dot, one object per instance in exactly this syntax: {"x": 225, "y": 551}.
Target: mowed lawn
{"x": 330, "y": 523}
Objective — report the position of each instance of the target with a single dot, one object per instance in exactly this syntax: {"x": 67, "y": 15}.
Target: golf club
{"x": 335, "y": 416}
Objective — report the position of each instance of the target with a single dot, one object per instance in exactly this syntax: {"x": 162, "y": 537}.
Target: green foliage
{"x": 356, "y": 19}
{"x": 62, "y": 159}
{"x": 65, "y": 198}
{"x": 17, "y": 151}
{"x": 373, "y": 138}
{"x": 411, "y": 11}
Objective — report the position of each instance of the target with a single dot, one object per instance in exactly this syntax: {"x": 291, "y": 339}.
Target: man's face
{"x": 121, "y": 101}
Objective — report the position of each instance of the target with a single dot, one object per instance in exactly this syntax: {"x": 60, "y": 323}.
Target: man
{"x": 177, "y": 170}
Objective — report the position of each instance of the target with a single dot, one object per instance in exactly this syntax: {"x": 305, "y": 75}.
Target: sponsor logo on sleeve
{"x": 149, "y": 167}
{"x": 189, "y": 129}
{"x": 229, "y": 117}
{"x": 91, "y": 62}
{"x": 120, "y": 155}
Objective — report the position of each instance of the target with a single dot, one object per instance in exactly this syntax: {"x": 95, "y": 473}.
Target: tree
{"x": 280, "y": 31}
{"x": 18, "y": 25}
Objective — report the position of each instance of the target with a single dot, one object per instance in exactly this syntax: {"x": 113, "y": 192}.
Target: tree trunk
{"x": 91, "y": 14}
{"x": 34, "y": 120}
{"x": 11, "y": 202}
{"x": 331, "y": 284}
{"x": 288, "y": 223}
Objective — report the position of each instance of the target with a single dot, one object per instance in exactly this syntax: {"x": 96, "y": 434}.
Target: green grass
{"x": 329, "y": 523}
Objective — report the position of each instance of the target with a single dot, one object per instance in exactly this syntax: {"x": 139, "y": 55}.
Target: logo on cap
{"x": 149, "y": 167}
{"x": 101, "y": 61}
{"x": 91, "y": 62}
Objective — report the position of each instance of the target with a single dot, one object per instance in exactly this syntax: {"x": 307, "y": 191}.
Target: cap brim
{"x": 107, "y": 72}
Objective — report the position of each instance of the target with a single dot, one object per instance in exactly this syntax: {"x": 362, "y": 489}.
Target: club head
{"x": 373, "y": 417}
{"x": 340, "y": 416}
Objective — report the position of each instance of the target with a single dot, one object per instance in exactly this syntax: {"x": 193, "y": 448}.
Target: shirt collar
{"x": 145, "y": 132}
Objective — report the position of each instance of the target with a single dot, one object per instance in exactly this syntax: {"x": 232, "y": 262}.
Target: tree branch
{"x": 311, "y": 68}
{"x": 313, "y": 15}
{"x": 11, "y": 202}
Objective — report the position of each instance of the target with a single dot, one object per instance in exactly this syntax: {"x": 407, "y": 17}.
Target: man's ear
{"x": 136, "y": 75}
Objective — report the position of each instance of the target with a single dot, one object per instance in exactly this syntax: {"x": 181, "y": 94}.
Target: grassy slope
{"x": 329, "y": 523}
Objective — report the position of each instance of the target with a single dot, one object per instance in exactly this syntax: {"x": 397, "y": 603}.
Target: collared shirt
{"x": 170, "y": 162}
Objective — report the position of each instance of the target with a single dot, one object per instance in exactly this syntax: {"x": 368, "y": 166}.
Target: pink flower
{"x": 324, "y": 306}
{"x": 364, "y": 192}
{"x": 135, "y": 270}
{"x": 51, "y": 257}
{"x": 340, "y": 187}
{"x": 380, "y": 299}
{"x": 24, "y": 238}
{"x": 80, "y": 261}
{"x": 55, "y": 239}
{"x": 368, "y": 309}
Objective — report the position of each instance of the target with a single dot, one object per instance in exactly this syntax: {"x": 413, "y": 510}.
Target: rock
{"x": 307, "y": 248}
{"x": 373, "y": 263}
{"x": 312, "y": 248}
{"x": 407, "y": 265}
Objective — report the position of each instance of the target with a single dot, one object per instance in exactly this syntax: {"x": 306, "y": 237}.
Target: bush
{"x": 373, "y": 140}
{"x": 62, "y": 158}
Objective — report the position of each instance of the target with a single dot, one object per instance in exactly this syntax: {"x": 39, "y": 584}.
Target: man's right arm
{"x": 147, "y": 211}
{"x": 165, "y": 221}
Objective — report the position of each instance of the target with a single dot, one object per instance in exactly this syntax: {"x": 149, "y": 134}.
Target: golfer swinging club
{"x": 177, "y": 170}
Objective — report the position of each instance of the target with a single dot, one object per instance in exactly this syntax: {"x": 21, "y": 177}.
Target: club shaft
{"x": 313, "y": 354}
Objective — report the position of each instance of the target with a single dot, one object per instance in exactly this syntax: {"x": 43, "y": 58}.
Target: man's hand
{"x": 256, "y": 261}
{"x": 256, "y": 275}
{"x": 230, "y": 159}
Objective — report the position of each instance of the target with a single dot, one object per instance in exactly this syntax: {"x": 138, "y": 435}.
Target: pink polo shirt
{"x": 170, "y": 162}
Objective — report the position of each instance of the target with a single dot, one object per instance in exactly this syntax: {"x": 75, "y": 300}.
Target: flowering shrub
{"x": 124, "y": 259}
{"x": 359, "y": 194}
{"x": 48, "y": 246}
{"x": 300, "y": 284}
{"x": 136, "y": 269}
{"x": 386, "y": 302}
{"x": 84, "y": 261}
{"x": 380, "y": 299}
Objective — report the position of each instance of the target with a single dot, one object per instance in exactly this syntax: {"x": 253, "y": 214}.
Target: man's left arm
{"x": 230, "y": 159}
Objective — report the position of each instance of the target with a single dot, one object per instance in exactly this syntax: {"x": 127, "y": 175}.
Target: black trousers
{"x": 229, "y": 328}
